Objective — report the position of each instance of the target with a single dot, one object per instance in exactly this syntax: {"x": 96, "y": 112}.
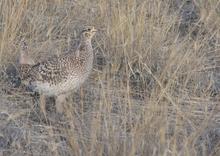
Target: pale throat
{"x": 86, "y": 40}
{"x": 86, "y": 43}
{"x": 85, "y": 47}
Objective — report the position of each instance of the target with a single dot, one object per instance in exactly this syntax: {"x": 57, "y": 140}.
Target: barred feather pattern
{"x": 60, "y": 74}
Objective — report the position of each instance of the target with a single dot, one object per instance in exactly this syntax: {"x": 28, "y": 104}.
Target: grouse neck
{"x": 85, "y": 41}
{"x": 84, "y": 48}
{"x": 85, "y": 45}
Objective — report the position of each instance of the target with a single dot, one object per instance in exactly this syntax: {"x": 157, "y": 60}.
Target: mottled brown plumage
{"x": 61, "y": 74}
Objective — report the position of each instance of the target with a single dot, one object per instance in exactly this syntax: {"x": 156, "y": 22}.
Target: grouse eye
{"x": 89, "y": 29}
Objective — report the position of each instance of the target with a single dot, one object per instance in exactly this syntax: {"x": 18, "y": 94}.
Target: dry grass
{"x": 154, "y": 89}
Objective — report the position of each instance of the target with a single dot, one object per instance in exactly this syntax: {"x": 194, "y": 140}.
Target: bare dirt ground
{"x": 154, "y": 89}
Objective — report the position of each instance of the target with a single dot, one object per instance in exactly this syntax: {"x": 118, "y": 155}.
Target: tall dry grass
{"x": 154, "y": 89}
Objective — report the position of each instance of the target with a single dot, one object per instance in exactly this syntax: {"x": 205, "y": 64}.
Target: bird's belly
{"x": 59, "y": 88}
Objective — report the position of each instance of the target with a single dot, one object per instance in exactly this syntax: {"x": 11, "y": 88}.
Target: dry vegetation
{"x": 154, "y": 89}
